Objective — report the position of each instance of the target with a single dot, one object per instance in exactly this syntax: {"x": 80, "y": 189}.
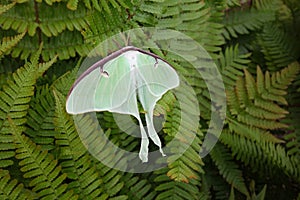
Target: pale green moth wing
{"x": 94, "y": 90}
{"x": 114, "y": 84}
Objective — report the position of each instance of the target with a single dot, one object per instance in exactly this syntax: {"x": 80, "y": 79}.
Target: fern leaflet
{"x": 40, "y": 167}
{"x": 75, "y": 161}
{"x": 11, "y": 189}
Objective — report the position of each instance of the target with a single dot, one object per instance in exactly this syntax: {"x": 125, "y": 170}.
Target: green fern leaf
{"x": 11, "y": 189}
{"x": 75, "y": 161}
{"x": 40, "y": 116}
{"x": 112, "y": 182}
{"x": 228, "y": 168}
{"x": 214, "y": 184}
{"x": 110, "y": 25}
{"x": 16, "y": 95}
{"x": 278, "y": 47}
{"x": 240, "y": 22}
{"x": 188, "y": 165}
{"x": 192, "y": 18}
{"x": 65, "y": 82}
{"x": 232, "y": 63}
{"x": 110, "y": 177}
{"x": 40, "y": 167}
{"x": 72, "y": 4}
{"x": 4, "y": 8}
{"x": 137, "y": 187}
{"x": 170, "y": 189}
{"x": 41, "y": 22}
{"x": 252, "y": 133}
{"x": 31, "y": 15}
{"x": 248, "y": 99}
{"x": 107, "y": 5}
{"x": 21, "y": 17}
{"x": 52, "y": 26}
{"x": 261, "y": 155}
{"x": 6, "y": 150}
{"x": 8, "y": 43}
{"x": 292, "y": 135}
{"x": 14, "y": 102}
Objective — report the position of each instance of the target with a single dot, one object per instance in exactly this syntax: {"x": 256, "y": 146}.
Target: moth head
{"x": 131, "y": 56}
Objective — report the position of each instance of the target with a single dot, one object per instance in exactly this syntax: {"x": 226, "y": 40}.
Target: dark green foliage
{"x": 228, "y": 169}
{"x": 11, "y": 189}
{"x": 255, "y": 45}
{"x": 40, "y": 167}
{"x": 138, "y": 187}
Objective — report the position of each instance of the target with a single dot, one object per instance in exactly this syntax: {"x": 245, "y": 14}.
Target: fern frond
{"x": 40, "y": 126}
{"x": 278, "y": 47}
{"x": 255, "y": 103}
{"x": 20, "y": 18}
{"x": 110, "y": 24}
{"x": 107, "y": 5}
{"x": 137, "y": 187}
{"x": 232, "y": 3}
{"x": 72, "y": 4}
{"x": 112, "y": 181}
{"x": 182, "y": 127}
{"x": 170, "y": 189}
{"x": 7, "y": 150}
{"x": 259, "y": 196}
{"x": 75, "y": 161}
{"x": 4, "y": 8}
{"x": 16, "y": 95}
{"x": 40, "y": 167}
{"x": 66, "y": 45}
{"x": 188, "y": 16}
{"x": 261, "y": 155}
{"x": 164, "y": 105}
{"x": 14, "y": 102}
{"x": 241, "y": 22}
{"x": 60, "y": 35}
{"x": 8, "y": 43}
{"x": 95, "y": 139}
{"x": 213, "y": 182}
{"x": 292, "y": 135}
{"x": 49, "y": 2}
{"x": 232, "y": 64}
{"x": 228, "y": 168}
{"x": 50, "y": 25}
{"x": 279, "y": 81}
{"x": 65, "y": 82}
{"x": 11, "y": 189}
{"x": 266, "y": 4}
{"x": 252, "y": 133}
{"x": 32, "y": 15}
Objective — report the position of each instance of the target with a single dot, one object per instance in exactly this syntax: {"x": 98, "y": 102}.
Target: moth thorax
{"x": 131, "y": 56}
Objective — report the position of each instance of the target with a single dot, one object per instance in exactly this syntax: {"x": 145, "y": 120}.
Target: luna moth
{"x": 118, "y": 81}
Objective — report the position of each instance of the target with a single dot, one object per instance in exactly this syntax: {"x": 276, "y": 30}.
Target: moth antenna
{"x": 128, "y": 39}
{"x": 117, "y": 43}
